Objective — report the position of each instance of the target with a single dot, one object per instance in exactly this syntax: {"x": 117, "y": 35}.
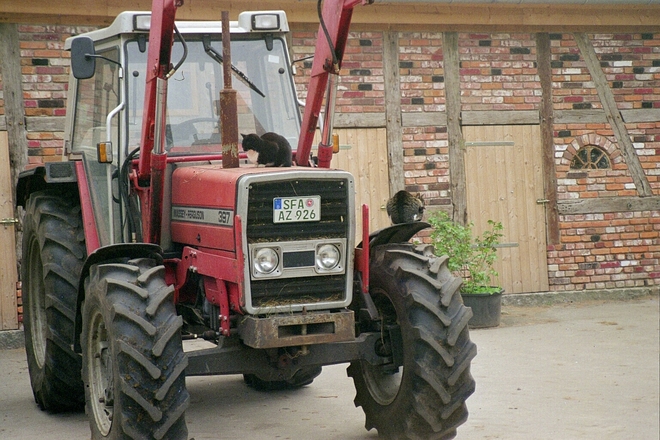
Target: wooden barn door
{"x": 8, "y": 274}
{"x": 505, "y": 183}
{"x": 364, "y": 154}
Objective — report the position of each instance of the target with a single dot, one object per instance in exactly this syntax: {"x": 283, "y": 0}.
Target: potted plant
{"x": 471, "y": 258}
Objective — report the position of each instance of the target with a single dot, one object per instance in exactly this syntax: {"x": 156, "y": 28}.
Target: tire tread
{"x": 436, "y": 381}
{"x": 149, "y": 354}
{"x": 53, "y": 221}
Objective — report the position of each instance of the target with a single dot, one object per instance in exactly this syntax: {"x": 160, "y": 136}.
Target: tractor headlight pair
{"x": 274, "y": 261}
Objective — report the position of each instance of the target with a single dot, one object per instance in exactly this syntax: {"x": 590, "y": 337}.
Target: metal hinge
{"x": 505, "y": 245}
{"x": 8, "y": 221}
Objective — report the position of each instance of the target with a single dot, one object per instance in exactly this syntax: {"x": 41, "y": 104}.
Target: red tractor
{"x": 155, "y": 230}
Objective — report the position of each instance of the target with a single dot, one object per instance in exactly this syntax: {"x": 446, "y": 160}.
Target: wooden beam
{"x": 613, "y": 115}
{"x": 12, "y": 84}
{"x": 393, "y": 110}
{"x": 597, "y": 116}
{"x": 360, "y": 120}
{"x": 426, "y": 119}
{"x": 458, "y": 181}
{"x": 500, "y": 117}
{"x": 13, "y": 157}
{"x": 433, "y": 119}
{"x": 396, "y": 15}
{"x": 45, "y": 123}
{"x": 590, "y": 116}
{"x": 600, "y": 205}
{"x": 543, "y": 58}
{"x": 8, "y": 268}
{"x": 641, "y": 115}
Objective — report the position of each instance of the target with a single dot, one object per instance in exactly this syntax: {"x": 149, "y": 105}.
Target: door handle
{"x": 542, "y": 201}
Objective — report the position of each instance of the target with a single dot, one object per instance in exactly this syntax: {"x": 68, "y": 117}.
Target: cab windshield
{"x": 192, "y": 119}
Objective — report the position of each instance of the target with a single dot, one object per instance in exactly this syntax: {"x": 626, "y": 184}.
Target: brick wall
{"x": 612, "y": 249}
{"x": 631, "y": 62}
{"x": 45, "y": 68}
{"x": 601, "y": 251}
{"x": 422, "y": 84}
{"x": 498, "y": 71}
{"x": 361, "y": 88}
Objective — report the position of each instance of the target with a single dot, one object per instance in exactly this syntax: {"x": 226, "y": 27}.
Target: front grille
{"x": 334, "y": 221}
{"x": 297, "y": 290}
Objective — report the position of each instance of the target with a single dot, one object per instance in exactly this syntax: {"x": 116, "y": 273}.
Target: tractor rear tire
{"x": 53, "y": 255}
{"x": 133, "y": 359}
{"x": 303, "y": 377}
{"x": 425, "y": 397}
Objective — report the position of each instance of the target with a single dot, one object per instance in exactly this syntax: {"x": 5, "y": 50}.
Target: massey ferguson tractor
{"x": 155, "y": 230}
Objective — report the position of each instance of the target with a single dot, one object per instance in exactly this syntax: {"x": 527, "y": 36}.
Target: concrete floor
{"x": 576, "y": 371}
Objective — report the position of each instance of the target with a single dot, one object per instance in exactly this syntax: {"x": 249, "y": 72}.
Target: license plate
{"x": 297, "y": 209}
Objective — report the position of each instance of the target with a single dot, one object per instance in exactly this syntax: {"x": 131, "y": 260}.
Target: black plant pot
{"x": 486, "y": 309}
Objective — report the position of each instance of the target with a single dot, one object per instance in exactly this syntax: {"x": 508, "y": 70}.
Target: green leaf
{"x": 470, "y": 258}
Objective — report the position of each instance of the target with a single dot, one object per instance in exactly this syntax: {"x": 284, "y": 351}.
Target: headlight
{"x": 327, "y": 257}
{"x": 265, "y": 22}
{"x": 266, "y": 261}
{"x": 142, "y": 22}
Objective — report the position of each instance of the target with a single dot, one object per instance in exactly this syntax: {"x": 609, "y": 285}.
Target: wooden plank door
{"x": 505, "y": 183}
{"x": 364, "y": 154}
{"x": 8, "y": 274}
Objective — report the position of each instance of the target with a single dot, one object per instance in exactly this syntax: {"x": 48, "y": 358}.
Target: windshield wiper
{"x": 210, "y": 51}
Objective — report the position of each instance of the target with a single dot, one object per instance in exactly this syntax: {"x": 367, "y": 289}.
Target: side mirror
{"x": 83, "y": 58}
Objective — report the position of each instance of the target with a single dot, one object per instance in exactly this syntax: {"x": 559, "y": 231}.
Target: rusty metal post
{"x": 228, "y": 103}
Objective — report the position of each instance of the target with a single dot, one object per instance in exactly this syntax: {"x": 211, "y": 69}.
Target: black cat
{"x": 403, "y": 207}
{"x": 271, "y": 149}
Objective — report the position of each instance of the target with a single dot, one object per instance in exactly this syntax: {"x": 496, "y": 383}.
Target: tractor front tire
{"x": 133, "y": 359}
{"x": 53, "y": 255}
{"x": 425, "y": 397}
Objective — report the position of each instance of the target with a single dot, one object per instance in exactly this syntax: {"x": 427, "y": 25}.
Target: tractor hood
{"x": 205, "y": 197}
{"x": 204, "y": 203}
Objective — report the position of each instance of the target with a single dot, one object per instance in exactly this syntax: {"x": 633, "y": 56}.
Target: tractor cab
{"x": 104, "y": 118}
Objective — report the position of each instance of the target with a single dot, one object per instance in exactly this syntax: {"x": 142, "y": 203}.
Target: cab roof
{"x": 137, "y": 22}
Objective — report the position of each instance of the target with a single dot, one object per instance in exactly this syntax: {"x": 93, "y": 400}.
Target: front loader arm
{"x": 152, "y": 162}
{"x": 336, "y": 16}
{"x": 159, "y": 53}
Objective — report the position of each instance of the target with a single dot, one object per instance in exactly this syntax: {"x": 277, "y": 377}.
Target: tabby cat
{"x": 403, "y": 207}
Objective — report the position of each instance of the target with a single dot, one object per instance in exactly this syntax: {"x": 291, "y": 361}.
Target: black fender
{"x": 111, "y": 253}
{"x": 399, "y": 233}
{"x": 46, "y": 176}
